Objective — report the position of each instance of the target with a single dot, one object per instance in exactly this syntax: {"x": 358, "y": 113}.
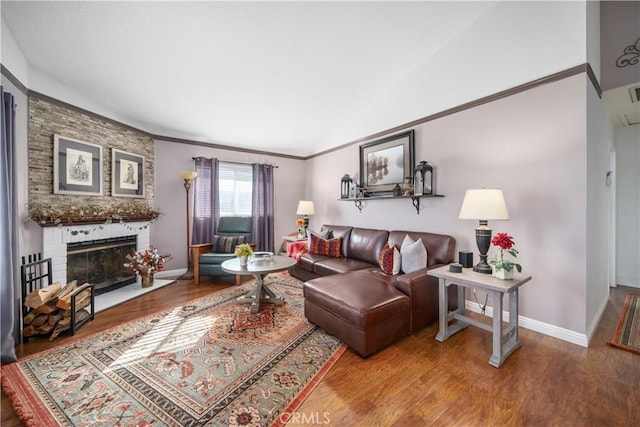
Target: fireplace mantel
{"x": 96, "y": 220}
{"x": 55, "y": 239}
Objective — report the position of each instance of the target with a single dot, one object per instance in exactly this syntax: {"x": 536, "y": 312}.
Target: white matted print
{"x": 77, "y": 167}
{"x": 127, "y": 174}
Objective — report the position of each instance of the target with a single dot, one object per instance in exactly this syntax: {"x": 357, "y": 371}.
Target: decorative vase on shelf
{"x": 243, "y": 260}
{"x": 146, "y": 280}
{"x": 502, "y": 273}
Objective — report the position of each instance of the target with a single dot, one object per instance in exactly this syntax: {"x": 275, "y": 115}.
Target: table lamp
{"x": 483, "y": 204}
{"x": 305, "y": 208}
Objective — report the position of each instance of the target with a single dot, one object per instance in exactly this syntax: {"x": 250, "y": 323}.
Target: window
{"x": 234, "y": 188}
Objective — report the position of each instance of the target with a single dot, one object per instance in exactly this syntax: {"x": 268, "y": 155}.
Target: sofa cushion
{"x": 329, "y": 247}
{"x": 390, "y": 260}
{"x": 362, "y": 298}
{"x": 365, "y": 244}
{"x": 329, "y": 265}
{"x": 414, "y": 255}
{"x": 226, "y": 244}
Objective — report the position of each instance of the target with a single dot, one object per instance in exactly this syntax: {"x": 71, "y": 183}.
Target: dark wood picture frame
{"x": 127, "y": 174}
{"x": 77, "y": 167}
{"x": 386, "y": 162}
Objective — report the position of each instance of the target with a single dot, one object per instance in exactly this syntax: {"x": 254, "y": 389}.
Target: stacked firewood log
{"x": 51, "y": 309}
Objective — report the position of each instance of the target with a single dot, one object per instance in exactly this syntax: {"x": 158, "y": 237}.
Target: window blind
{"x": 235, "y": 186}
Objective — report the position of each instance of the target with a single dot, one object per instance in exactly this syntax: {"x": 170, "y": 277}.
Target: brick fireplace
{"x": 55, "y": 240}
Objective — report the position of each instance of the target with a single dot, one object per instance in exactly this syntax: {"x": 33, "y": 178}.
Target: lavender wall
{"x": 169, "y": 232}
{"x": 532, "y": 145}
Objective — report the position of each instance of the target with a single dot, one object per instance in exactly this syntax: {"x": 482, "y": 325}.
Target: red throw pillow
{"x": 328, "y": 247}
{"x": 389, "y": 260}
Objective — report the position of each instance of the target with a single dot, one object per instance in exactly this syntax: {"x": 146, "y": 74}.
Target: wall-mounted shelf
{"x": 415, "y": 200}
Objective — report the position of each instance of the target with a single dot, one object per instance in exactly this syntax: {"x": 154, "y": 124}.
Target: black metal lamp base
{"x": 483, "y": 240}
{"x": 482, "y": 268}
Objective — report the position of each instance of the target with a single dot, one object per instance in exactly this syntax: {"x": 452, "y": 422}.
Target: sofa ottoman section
{"x": 360, "y": 309}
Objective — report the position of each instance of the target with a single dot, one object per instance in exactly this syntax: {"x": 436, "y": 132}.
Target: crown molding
{"x": 561, "y": 75}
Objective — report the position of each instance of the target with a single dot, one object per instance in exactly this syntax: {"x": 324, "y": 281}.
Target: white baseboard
{"x": 537, "y": 326}
{"x": 171, "y": 274}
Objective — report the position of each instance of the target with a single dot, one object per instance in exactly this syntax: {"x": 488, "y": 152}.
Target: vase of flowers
{"x": 146, "y": 264}
{"x": 243, "y": 252}
{"x": 501, "y": 268}
{"x": 302, "y": 230}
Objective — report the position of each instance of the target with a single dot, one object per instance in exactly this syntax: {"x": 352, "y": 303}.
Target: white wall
{"x": 12, "y": 56}
{"x": 511, "y": 44}
{"x": 599, "y": 147}
{"x": 628, "y": 209}
{"x": 169, "y": 231}
{"x": 532, "y": 145}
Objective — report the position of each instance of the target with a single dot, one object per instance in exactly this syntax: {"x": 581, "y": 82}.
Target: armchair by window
{"x": 208, "y": 257}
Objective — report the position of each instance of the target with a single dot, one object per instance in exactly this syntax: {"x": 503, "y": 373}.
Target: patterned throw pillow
{"x": 226, "y": 244}
{"x": 328, "y": 247}
{"x": 390, "y": 260}
{"x": 414, "y": 255}
{"x": 323, "y": 234}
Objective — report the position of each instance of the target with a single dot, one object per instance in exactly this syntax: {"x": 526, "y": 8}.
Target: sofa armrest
{"x": 422, "y": 291}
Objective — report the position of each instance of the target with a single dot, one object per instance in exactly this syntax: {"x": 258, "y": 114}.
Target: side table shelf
{"x": 415, "y": 200}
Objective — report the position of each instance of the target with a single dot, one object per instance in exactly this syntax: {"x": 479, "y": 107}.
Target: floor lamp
{"x": 188, "y": 177}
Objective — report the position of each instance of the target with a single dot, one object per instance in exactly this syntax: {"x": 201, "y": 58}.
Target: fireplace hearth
{"x": 101, "y": 262}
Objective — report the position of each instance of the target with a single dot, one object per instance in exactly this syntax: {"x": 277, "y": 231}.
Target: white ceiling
{"x": 281, "y": 77}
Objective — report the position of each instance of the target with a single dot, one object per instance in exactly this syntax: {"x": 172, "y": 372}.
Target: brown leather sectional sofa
{"x": 353, "y": 299}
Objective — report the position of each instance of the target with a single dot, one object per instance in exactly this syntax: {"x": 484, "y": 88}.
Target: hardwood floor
{"x": 419, "y": 381}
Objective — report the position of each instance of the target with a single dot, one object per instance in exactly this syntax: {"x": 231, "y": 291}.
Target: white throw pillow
{"x": 413, "y": 254}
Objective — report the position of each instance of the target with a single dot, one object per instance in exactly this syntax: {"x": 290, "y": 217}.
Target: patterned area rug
{"x": 209, "y": 362}
{"x": 627, "y": 335}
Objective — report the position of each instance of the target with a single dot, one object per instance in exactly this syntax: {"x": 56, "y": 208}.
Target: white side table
{"x": 505, "y": 341}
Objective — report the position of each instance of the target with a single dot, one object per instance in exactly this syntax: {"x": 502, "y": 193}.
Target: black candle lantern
{"x": 418, "y": 178}
{"x": 427, "y": 188}
{"x": 346, "y": 186}
{"x": 423, "y": 179}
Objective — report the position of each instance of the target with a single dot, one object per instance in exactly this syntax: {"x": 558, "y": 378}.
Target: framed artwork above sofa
{"x": 386, "y": 162}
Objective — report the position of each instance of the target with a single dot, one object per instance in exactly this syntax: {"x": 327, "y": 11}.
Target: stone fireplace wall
{"x": 48, "y": 117}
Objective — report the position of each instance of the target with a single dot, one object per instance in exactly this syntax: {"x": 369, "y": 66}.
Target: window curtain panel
{"x": 9, "y": 305}
{"x": 262, "y": 207}
{"x": 206, "y": 211}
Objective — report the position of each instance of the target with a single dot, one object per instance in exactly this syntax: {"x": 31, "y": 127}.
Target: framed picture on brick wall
{"x": 77, "y": 167}
{"x": 127, "y": 174}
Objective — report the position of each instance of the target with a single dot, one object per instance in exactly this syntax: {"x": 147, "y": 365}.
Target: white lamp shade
{"x": 305, "y": 207}
{"x": 485, "y": 204}
{"x": 187, "y": 175}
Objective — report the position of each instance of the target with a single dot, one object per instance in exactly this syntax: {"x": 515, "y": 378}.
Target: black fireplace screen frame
{"x": 101, "y": 262}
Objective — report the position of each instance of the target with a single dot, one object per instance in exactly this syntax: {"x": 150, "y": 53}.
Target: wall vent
{"x": 635, "y": 94}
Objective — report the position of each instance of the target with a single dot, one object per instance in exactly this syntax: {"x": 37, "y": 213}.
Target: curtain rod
{"x": 237, "y": 163}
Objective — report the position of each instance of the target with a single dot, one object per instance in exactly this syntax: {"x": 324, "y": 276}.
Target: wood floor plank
{"x": 420, "y": 381}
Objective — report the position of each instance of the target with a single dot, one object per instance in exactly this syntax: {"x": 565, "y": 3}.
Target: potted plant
{"x": 243, "y": 252}
{"x": 501, "y": 268}
{"x": 146, "y": 264}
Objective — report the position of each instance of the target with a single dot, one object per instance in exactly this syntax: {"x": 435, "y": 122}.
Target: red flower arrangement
{"x": 505, "y": 243}
{"x": 146, "y": 262}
